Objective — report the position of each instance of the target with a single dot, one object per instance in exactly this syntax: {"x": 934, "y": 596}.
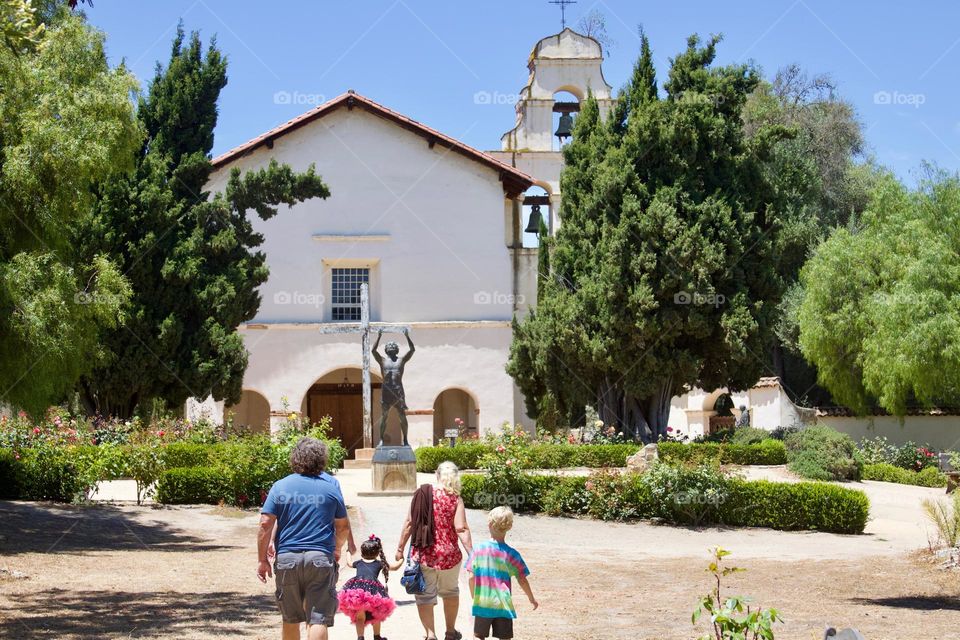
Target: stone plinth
{"x": 393, "y": 472}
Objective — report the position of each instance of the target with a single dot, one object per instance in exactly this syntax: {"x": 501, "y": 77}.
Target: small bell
{"x": 533, "y": 225}
{"x": 565, "y": 127}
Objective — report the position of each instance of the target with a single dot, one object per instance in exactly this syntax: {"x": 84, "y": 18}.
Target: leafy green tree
{"x": 191, "y": 259}
{"x": 661, "y": 272}
{"x": 880, "y": 315}
{"x": 818, "y": 182}
{"x": 66, "y": 121}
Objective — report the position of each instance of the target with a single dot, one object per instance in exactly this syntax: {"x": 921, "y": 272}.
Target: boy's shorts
{"x": 502, "y": 627}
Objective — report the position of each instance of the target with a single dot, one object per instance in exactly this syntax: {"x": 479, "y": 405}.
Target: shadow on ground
{"x": 35, "y": 527}
{"x": 58, "y": 613}
{"x": 917, "y": 603}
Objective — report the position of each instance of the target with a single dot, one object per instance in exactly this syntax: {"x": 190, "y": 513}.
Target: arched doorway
{"x": 251, "y": 413}
{"x": 722, "y": 408}
{"x": 450, "y": 405}
{"x": 339, "y": 394}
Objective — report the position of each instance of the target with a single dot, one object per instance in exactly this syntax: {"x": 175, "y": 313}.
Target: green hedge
{"x": 540, "y": 456}
{"x": 40, "y": 475}
{"x": 194, "y": 485}
{"x": 795, "y": 506}
{"x": 743, "y": 503}
{"x": 603, "y": 456}
{"x": 765, "y": 452}
{"x": 928, "y": 477}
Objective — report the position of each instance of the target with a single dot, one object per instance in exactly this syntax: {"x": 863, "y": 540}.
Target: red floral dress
{"x": 445, "y": 553}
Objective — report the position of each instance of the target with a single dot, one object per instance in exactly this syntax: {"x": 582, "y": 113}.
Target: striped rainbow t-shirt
{"x": 493, "y": 564}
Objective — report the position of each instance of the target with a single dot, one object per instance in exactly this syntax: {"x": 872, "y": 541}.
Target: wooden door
{"x": 346, "y": 415}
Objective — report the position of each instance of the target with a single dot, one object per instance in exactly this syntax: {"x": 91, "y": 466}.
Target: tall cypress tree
{"x": 661, "y": 271}
{"x": 191, "y": 259}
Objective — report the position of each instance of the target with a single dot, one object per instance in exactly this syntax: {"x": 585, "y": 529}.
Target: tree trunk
{"x": 643, "y": 419}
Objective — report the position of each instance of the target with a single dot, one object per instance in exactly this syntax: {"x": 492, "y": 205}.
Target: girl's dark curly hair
{"x": 309, "y": 457}
{"x": 372, "y": 549}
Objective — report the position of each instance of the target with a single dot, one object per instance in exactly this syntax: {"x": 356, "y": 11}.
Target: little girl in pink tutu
{"x": 364, "y": 599}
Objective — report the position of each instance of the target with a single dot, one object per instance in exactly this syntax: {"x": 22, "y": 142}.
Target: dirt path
{"x": 188, "y": 573}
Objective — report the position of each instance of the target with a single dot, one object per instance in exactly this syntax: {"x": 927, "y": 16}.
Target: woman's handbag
{"x": 412, "y": 579}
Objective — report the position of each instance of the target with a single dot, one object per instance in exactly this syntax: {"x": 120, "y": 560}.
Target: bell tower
{"x": 563, "y": 68}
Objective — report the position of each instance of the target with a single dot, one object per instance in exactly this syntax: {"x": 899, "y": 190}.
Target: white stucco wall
{"x": 428, "y": 222}
{"x": 431, "y": 226}
{"x": 940, "y": 432}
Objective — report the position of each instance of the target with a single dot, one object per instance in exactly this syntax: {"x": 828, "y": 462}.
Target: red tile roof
{"x": 514, "y": 181}
{"x": 844, "y": 412}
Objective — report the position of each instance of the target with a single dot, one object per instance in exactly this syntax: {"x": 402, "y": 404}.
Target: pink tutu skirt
{"x": 366, "y": 598}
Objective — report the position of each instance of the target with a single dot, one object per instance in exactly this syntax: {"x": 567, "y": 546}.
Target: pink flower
{"x": 36, "y": 431}
{"x": 17, "y": 456}
{"x": 501, "y": 448}
{"x": 509, "y": 463}
{"x": 22, "y": 414}
{"x": 161, "y": 433}
{"x": 669, "y": 429}
{"x": 458, "y": 421}
{"x": 571, "y": 439}
{"x": 589, "y": 485}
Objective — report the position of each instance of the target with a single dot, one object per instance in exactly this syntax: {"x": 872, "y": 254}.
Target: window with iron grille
{"x": 345, "y": 293}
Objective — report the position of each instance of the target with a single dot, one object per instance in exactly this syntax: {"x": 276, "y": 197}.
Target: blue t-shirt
{"x": 305, "y": 507}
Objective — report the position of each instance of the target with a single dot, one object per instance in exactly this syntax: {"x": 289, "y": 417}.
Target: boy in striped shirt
{"x": 492, "y": 565}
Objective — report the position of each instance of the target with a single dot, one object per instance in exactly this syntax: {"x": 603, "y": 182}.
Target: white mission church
{"x": 436, "y": 229}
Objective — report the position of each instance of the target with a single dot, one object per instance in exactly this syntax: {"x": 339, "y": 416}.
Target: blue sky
{"x": 895, "y": 61}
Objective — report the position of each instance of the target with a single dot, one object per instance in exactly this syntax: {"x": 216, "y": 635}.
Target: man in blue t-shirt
{"x": 310, "y": 517}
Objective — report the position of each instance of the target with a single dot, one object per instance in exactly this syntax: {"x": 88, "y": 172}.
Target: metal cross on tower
{"x": 563, "y": 9}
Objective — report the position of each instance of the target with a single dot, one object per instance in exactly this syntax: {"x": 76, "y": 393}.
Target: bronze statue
{"x": 391, "y": 392}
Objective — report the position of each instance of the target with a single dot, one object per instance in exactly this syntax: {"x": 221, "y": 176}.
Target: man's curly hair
{"x": 309, "y": 457}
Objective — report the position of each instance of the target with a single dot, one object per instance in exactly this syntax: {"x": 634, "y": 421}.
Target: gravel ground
{"x": 188, "y": 573}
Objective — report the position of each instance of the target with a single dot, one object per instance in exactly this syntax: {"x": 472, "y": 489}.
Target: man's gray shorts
{"x": 306, "y": 587}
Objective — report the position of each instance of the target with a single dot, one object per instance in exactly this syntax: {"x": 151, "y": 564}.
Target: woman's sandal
{"x": 453, "y": 635}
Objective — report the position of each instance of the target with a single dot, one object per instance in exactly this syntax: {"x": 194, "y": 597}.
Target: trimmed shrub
{"x": 697, "y": 453}
{"x": 179, "y": 455}
{"x": 567, "y": 496}
{"x": 48, "y": 475}
{"x": 465, "y": 456}
{"x": 9, "y": 475}
{"x": 689, "y": 495}
{"x": 749, "y": 435}
{"x": 822, "y": 453}
{"x": 194, "y": 485}
{"x": 795, "y": 506}
{"x": 536, "y": 456}
{"x": 884, "y": 472}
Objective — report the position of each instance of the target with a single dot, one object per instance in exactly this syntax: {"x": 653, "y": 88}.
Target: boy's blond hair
{"x": 500, "y": 520}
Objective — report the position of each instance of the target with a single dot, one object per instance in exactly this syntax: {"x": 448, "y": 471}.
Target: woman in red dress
{"x": 441, "y": 561}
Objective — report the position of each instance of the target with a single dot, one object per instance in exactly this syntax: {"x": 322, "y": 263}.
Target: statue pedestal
{"x": 393, "y": 472}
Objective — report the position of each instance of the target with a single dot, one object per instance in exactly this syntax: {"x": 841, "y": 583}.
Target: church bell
{"x": 533, "y": 225}
{"x": 565, "y": 127}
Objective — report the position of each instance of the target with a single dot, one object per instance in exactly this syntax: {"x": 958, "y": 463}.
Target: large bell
{"x": 533, "y": 225}
{"x": 565, "y": 127}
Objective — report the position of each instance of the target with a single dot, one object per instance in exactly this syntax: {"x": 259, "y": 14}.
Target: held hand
{"x": 399, "y": 555}
{"x": 264, "y": 570}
